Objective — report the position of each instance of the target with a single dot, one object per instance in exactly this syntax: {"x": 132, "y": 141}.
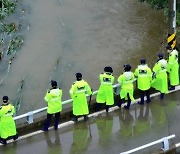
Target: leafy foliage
{"x": 6, "y": 7}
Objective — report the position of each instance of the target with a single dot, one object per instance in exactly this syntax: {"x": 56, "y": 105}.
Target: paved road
{"x": 116, "y": 132}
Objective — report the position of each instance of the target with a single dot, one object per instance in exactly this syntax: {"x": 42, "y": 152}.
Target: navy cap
{"x": 168, "y": 47}
{"x": 5, "y": 99}
{"x": 108, "y": 69}
{"x": 53, "y": 83}
{"x": 127, "y": 67}
{"x": 143, "y": 61}
{"x": 78, "y": 76}
{"x": 160, "y": 55}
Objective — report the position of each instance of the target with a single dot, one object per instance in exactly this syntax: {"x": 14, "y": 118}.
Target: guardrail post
{"x": 165, "y": 144}
{"x": 30, "y": 117}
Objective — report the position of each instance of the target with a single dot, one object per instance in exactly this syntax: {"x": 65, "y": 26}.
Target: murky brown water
{"x": 69, "y": 36}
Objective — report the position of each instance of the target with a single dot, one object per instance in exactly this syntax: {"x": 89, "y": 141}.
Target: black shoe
{"x": 74, "y": 119}
{"x": 44, "y": 130}
{"x": 140, "y": 103}
{"x": 85, "y": 118}
{"x": 171, "y": 88}
{"x": 162, "y": 96}
{"x": 126, "y": 107}
{"x": 55, "y": 127}
{"x": 3, "y": 142}
{"x": 15, "y": 137}
{"x": 119, "y": 104}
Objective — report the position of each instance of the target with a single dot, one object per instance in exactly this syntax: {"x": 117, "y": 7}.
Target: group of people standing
{"x": 146, "y": 78}
{"x": 157, "y": 78}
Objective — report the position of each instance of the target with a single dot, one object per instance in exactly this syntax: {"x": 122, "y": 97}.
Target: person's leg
{"x": 162, "y": 96}
{"x": 119, "y": 103}
{"x": 48, "y": 120}
{"x": 57, "y": 117}
{"x": 75, "y": 118}
{"x": 98, "y": 106}
{"x": 142, "y": 97}
{"x": 171, "y": 88}
{"x": 3, "y": 141}
{"x": 128, "y": 103}
{"x": 107, "y": 108}
{"x": 85, "y": 117}
{"x": 15, "y": 137}
{"x": 148, "y": 96}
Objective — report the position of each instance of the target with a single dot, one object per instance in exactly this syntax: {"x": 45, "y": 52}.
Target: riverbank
{"x": 163, "y": 4}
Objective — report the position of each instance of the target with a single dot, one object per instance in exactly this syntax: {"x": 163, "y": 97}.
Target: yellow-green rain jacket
{"x": 144, "y": 77}
{"x": 7, "y": 124}
{"x": 160, "y": 81}
{"x": 173, "y": 68}
{"x": 105, "y": 92}
{"x": 78, "y": 93}
{"x": 126, "y": 82}
{"x": 53, "y": 97}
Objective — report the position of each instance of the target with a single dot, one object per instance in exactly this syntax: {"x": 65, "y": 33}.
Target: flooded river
{"x": 69, "y": 36}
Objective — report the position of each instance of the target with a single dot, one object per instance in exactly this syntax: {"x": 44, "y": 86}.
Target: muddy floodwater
{"x": 69, "y": 36}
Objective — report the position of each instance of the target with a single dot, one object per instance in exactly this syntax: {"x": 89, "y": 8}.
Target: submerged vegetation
{"x": 6, "y": 7}
{"x": 158, "y": 4}
{"x": 163, "y": 4}
{"x": 10, "y": 40}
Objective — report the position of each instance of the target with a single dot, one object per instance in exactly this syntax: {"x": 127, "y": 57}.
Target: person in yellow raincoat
{"x": 127, "y": 88}
{"x": 53, "y": 98}
{"x": 173, "y": 67}
{"x": 159, "y": 81}
{"x": 78, "y": 92}
{"x": 105, "y": 92}
{"x": 144, "y": 78}
{"x": 7, "y": 124}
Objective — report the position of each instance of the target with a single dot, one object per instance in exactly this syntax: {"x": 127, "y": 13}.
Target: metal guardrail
{"x": 164, "y": 141}
{"x": 30, "y": 115}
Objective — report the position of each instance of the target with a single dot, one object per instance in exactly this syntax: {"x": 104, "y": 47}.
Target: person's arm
{"x": 47, "y": 96}
{"x": 88, "y": 89}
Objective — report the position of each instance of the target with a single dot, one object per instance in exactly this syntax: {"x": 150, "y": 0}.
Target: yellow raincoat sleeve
{"x": 88, "y": 89}
{"x": 47, "y": 96}
{"x": 120, "y": 79}
{"x": 72, "y": 91}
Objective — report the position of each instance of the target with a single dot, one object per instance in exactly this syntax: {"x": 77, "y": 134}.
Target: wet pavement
{"x": 69, "y": 36}
{"x": 113, "y": 133}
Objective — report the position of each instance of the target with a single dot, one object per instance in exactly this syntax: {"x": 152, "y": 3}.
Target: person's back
{"x": 159, "y": 81}
{"x": 78, "y": 92}
{"x": 105, "y": 91}
{"x": 144, "y": 77}
{"x": 7, "y": 124}
{"x": 127, "y": 88}
{"x": 126, "y": 81}
{"x": 173, "y": 67}
{"x": 53, "y": 98}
